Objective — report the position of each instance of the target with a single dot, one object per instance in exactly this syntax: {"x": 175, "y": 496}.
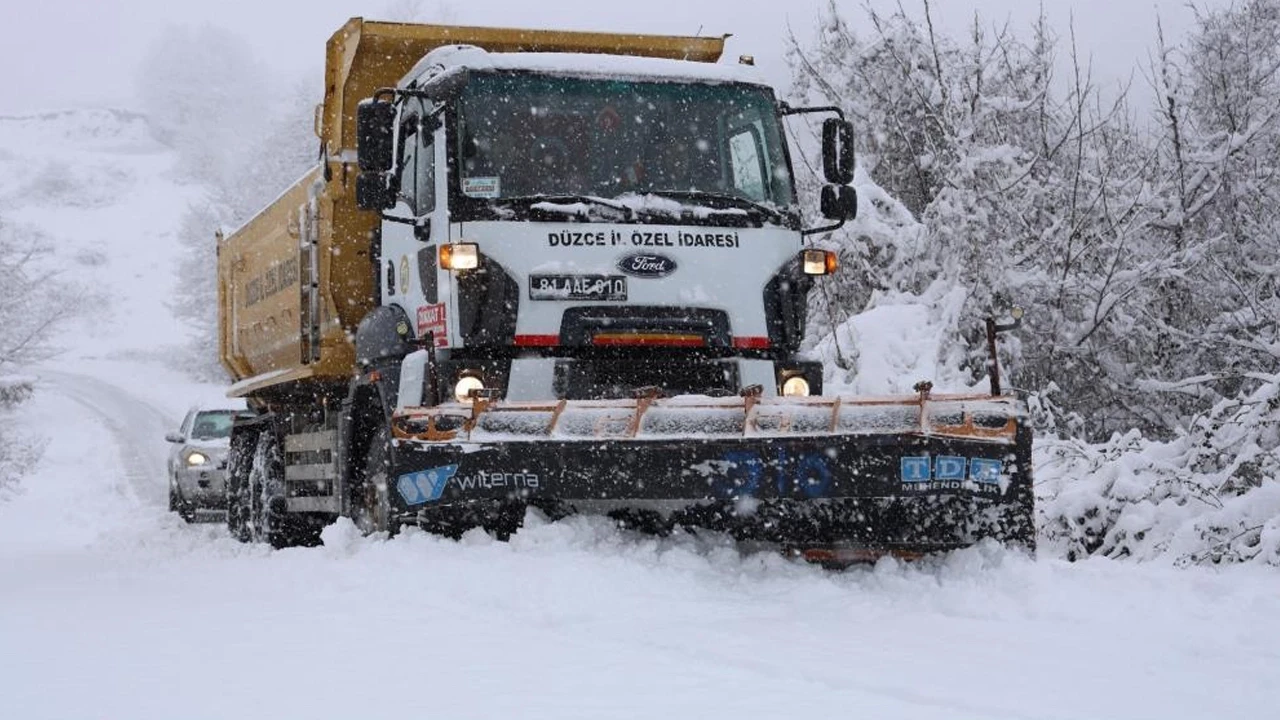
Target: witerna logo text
{"x": 427, "y": 486}
{"x": 922, "y": 472}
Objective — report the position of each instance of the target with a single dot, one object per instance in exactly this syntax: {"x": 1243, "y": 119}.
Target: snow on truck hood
{"x": 456, "y": 58}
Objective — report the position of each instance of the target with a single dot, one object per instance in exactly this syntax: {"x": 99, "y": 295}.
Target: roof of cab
{"x": 453, "y": 58}
{"x": 365, "y": 55}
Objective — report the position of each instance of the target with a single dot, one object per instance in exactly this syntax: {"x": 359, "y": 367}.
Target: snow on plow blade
{"x": 825, "y": 474}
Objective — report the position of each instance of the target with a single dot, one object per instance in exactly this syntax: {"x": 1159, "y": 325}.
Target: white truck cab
{"x": 570, "y": 226}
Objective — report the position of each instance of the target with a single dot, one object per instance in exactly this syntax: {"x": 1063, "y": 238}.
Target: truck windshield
{"x": 525, "y": 135}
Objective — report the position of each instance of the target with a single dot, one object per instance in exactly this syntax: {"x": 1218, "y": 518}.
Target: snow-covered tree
{"x": 1027, "y": 188}
{"x": 33, "y": 303}
{"x": 1219, "y": 155}
{"x": 1147, "y": 255}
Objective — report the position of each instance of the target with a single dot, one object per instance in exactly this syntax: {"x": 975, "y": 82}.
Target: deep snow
{"x": 110, "y": 607}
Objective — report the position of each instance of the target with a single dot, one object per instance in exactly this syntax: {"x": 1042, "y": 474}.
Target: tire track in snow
{"x": 136, "y": 427}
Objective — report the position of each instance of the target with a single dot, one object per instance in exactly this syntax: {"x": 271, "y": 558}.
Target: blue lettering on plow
{"x": 812, "y": 471}
{"x": 743, "y": 473}
{"x": 949, "y": 467}
{"x": 742, "y": 476}
{"x": 915, "y": 469}
{"x": 985, "y": 472}
{"x": 425, "y": 486}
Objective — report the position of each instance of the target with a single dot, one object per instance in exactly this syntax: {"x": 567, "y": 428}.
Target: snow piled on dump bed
{"x": 457, "y": 58}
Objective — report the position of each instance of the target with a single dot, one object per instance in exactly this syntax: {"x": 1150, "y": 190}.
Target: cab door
{"x": 413, "y": 230}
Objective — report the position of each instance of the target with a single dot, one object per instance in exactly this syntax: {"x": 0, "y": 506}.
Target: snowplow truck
{"x": 569, "y": 271}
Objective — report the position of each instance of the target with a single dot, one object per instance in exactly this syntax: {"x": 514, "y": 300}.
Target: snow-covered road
{"x": 136, "y": 427}
{"x": 112, "y": 608}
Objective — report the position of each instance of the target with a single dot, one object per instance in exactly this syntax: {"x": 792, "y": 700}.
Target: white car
{"x": 198, "y": 463}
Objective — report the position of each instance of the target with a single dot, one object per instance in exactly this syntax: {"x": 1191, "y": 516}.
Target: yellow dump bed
{"x": 294, "y": 281}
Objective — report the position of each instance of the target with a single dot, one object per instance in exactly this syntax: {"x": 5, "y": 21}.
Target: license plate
{"x": 578, "y": 287}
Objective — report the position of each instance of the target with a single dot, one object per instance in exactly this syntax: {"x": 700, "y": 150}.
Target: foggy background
{"x": 85, "y": 53}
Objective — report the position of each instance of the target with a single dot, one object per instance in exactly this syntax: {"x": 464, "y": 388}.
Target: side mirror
{"x": 375, "y": 152}
{"x": 373, "y": 191}
{"x": 174, "y": 437}
{"x": 375, "y": 136}
{"x": 837, "y": 151}
{"x": 839, "y": 202}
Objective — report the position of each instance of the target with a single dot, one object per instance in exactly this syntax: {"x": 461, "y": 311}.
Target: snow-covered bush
{"x": 17, "y": 451}
{"x": 1211, "y": 495}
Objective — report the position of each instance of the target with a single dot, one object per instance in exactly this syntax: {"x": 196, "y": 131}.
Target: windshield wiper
{"x": 563, "y": 203}
{"x": 722, "y": 201}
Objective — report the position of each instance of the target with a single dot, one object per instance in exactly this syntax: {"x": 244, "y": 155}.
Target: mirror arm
{"x": 786, "y": 109}
{"x": 825, "y": 228}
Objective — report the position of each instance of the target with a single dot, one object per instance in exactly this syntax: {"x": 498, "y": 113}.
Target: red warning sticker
{"x": 431, "y": 319}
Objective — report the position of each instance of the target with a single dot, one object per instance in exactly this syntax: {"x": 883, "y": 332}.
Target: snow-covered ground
{"x": 111, "y": 607}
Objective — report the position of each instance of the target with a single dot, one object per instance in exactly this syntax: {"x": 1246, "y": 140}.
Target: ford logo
{"x": 647, "y": 265}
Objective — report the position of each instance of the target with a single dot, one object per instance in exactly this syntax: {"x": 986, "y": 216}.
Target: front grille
{"x": 613, "y": 378}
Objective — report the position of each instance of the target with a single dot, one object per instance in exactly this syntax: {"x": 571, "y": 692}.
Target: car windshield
{"x": 212, "y": 424}
{"x": 525, "y": 135}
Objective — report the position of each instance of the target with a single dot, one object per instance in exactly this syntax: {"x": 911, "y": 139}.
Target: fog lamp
{"x": 795, "y": 386}
{"x": 462, "y": 389}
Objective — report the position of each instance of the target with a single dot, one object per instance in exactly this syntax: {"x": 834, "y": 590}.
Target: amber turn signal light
{"x": 818, "y": 262}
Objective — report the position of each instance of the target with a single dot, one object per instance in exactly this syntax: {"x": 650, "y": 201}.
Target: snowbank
{"x": 1209, "y": 496}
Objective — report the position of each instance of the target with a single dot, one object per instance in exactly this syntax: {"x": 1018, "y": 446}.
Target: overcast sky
{"x": 77, "y": 53}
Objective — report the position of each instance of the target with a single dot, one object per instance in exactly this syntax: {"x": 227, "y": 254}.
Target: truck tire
{"x": 269, "y": 519}
{"x": 239, "y": 463}
{"x": 371, "y": 509}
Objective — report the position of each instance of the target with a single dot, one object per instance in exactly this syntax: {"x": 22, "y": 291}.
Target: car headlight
{"x": 462, "y": 389}
{"x": 197, "y": 458}
{"x": 795, "y": 386}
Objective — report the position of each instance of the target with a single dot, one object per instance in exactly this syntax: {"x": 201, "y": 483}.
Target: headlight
{"x": 467, "y": 383}
{"x": 818, "y": 262}
{"x": 459, "y": 256}
{"x": 197, "y": 458}
{"x": 795, "y": 386}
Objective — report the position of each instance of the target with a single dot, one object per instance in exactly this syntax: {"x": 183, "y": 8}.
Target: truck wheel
{"x": 239, "y": 463}
{"x": 372, "y": 501}
{"x": 269, "y": 519}
{"x": 257, "y": 493}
